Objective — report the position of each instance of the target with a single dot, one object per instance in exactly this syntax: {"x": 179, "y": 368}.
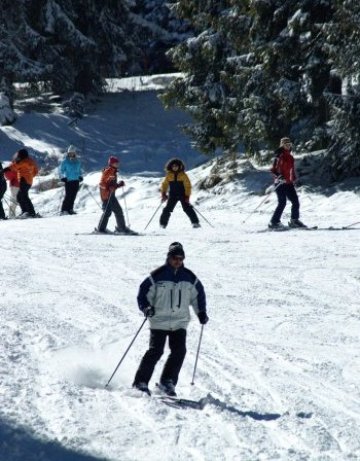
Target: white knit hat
{"x": 72, "y": 148}
{"x": 285, "y": 141}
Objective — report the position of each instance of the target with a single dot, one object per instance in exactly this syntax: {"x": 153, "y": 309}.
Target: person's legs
{"x": 106, "y": 206}
{"x": 281, "y": 195}
{"x": 24, "y": 199}
{"x": 119, "y": 215}
{"x": 71, "y": 190}
{"x": 151, "y": 357}
{"x": 294, "y": 199}
{"x": 189, "y": 210}
{"x": 2, "y": 193}
{"x": 13, "y": 201}
{"x": 169, "y": 208}
{"x": 172, "y": 367}
{"x": 65, "y": 204}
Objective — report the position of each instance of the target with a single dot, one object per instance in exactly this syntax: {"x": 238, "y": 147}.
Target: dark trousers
{"x": 71, "y": 190}
{"x": 283, "y": 192}
{"x": 172, "y": 367}
{"x": 3, "y": 187}
{"x": 24, "y": 199}
{"x": 111, "y": 206}
{"x": 169, "y": 208}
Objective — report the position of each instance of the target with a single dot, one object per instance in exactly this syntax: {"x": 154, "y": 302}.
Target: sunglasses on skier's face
{"x": 71, "y": 155}
{"x": 177, "y": 258}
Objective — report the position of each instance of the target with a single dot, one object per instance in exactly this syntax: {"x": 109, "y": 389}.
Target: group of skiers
{"x": 176, "y": 187}
{"x": 167, "y": 294}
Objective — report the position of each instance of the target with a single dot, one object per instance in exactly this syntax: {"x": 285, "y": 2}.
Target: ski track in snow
{"x": 283, "y": 338}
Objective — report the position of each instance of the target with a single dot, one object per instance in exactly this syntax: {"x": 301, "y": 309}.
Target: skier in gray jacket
{"x": 164, "y": 298}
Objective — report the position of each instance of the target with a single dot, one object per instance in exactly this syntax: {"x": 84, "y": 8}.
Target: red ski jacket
{"x": 284, "y": 165}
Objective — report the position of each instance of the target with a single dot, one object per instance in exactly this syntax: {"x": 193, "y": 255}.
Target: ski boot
{"x": 296, "y": 223}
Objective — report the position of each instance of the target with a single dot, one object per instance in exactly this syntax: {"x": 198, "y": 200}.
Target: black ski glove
{"x": 203, "y": 318}
{"x": 81, "y": 179}
{"x": 63, "y": 179}
{"x": 149, "y": 312}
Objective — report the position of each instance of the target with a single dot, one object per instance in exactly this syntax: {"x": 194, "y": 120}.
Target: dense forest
{"x": 252, "y": 70}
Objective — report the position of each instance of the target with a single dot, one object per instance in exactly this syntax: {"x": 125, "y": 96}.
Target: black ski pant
{"x": 71, "y": 190}
{"x": 169, "y": 208}
{"x": 24, "y": 199}
{"x": 283, "y": 192}
{"x": 172, "y": 367}
{"x": 112, "y": 206}
{"x": 3, "y": 187}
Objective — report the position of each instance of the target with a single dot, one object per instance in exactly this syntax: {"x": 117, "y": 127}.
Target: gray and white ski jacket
{"x": 171, "y": 292}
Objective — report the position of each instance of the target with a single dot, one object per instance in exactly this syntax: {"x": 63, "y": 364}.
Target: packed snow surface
{"x": 279, "y": 356}
{"x": 279, "y": 360}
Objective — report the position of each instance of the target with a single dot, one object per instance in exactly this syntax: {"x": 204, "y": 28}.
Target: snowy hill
{"x": 279, "y": 360}
{"x": 129, "y": 121}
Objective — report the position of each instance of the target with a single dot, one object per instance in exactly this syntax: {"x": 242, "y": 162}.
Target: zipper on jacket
{"x": 179, "y": 299}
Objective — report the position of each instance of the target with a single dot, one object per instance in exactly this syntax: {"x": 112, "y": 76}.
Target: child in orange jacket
{"x": 108, "y": 185}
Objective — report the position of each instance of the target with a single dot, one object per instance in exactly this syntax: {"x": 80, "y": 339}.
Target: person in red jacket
{"x": 283, "y": 170}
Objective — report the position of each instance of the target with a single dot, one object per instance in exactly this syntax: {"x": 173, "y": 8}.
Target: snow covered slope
{"x": 279, "y": 358}
{"x": 129, "y": 121}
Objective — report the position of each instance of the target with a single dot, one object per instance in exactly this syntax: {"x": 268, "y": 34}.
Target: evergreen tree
{"x": 256, "y": 71}
{"x": 202, "y": 91}
{"x": 292, "y": 69}
{"x": 343, "y": 36}
{"x": 157, "y": 29}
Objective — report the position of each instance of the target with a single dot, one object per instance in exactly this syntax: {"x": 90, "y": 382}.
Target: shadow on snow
{"x": 20, "y": 444}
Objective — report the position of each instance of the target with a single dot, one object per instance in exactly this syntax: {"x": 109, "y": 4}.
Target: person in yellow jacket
{"x": 26, "y": 169}
{"x": 176, "y": 187}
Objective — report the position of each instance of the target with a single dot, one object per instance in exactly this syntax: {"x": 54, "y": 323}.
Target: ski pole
{"x": 351, "y": 225}
{"x": 152, "y": 217}
{"x": 262, "y": 201}
{"x": 127, "y": 350}
{"x": 197, "y": 355}
{"x": 126, "y": 209}
{"x": 197, "y": 211}
{"x": 62, "y": 194}
{"x": 92, "y": 196}
{"x": 105, "y": 209}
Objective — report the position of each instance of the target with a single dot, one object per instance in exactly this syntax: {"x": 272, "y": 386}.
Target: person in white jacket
{"x": 165, "y": 298}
